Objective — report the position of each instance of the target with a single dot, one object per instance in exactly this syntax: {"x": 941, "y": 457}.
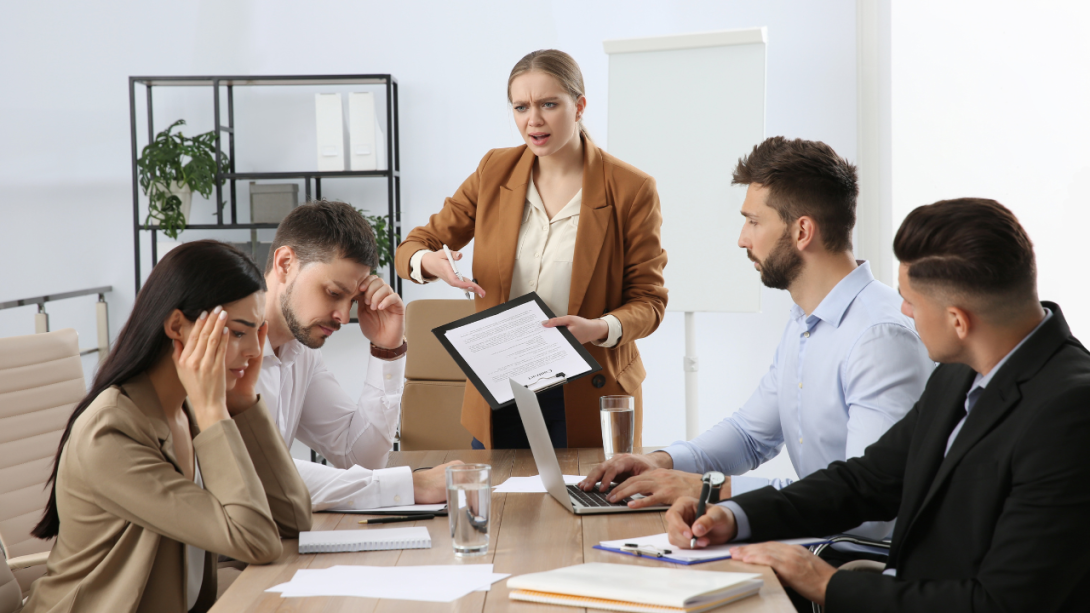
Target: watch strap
{"x": 390, "y": 354}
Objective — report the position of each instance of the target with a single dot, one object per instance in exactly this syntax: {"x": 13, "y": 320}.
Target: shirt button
{"x": 806, "y": 334}
{"x": 800, "y": 440}
{"x": 388, "y": 377}
{"x": 398, "y": 498}
{"x": 800, "y": 385}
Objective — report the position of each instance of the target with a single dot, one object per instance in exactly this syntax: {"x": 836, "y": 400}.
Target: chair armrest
{"x": 33, "y": 559}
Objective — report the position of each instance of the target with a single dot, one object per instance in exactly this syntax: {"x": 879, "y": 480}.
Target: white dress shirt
{"x": 307, "y": 403}
{"x": 841, "y": 377}
{"x": 543, "y": 258}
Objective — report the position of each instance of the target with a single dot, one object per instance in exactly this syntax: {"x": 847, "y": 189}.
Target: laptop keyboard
{"x": 593, "y": 498}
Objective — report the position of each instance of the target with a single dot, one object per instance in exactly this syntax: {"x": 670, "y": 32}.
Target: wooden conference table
{"x": 528, "y": 533}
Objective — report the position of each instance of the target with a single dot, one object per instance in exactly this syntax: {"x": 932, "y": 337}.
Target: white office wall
{"x": 65, "y": 196}
{"x": 992, "y": 99}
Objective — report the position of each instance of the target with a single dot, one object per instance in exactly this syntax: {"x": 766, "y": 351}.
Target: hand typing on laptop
{"x": 648, "y": 474}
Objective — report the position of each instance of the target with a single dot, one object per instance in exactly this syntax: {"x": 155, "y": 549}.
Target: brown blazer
{"x": 127, "y": 511}
{"x": 617, "y": 269}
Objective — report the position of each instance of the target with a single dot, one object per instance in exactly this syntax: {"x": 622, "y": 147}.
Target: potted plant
{"x": 170, "y": 169}
{"x": 382, "y": 237}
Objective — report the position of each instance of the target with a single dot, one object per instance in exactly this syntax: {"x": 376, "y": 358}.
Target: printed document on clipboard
{"x": 509, "y": 342}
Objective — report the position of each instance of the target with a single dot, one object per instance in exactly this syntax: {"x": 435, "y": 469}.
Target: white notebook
{"x": 339, "y": 541}
{"x": 639, "y": 589}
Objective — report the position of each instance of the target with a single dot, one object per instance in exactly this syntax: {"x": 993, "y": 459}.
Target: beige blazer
{"x": 617, "y": 269}
{"x": 127, "y": 511}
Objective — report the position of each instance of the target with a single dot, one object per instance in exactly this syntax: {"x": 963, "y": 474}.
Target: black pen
{"x": 391, "y": 520}
{"x": 705, "y": 490}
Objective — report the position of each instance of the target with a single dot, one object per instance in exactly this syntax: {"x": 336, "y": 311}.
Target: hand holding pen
{"x": 442, "y": 265}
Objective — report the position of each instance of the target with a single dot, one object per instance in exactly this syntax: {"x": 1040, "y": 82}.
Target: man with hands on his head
{"x": 849, "y": 364}
{"x": 319, "y": 264}
{"x": 986, "y": 474}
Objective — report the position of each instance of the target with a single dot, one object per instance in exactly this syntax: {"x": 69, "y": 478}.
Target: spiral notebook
{"x": 340, "y": 541}
{"x": 637, "y": 589}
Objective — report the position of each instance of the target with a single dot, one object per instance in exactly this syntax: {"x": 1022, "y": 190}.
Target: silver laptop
{"x": 569, "y": 496}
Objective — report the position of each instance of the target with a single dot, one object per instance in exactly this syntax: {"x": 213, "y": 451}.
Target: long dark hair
{"x": 192, "y": 277}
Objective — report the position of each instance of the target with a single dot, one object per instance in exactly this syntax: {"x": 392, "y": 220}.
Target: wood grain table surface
{"x": 528, "y": 533}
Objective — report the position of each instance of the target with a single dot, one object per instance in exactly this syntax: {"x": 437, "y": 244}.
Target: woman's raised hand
{"x": 202, "y": 369}
{"x": 435, "y": 264}
{"x": 244, "y": 395}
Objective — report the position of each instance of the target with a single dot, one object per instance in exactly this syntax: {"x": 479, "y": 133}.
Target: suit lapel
{"x": 594, "y": 218}
{"x": 507, "y": 221}
{"x": 997, "y": 400}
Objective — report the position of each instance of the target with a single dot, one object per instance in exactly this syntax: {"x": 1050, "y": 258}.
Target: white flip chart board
{"x": 684, "y": 109}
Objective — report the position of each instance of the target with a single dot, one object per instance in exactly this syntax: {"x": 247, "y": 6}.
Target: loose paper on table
{"x": 509, "y": 342}
{"x": 531, "y": 485}
{"x": 427, "y": 583}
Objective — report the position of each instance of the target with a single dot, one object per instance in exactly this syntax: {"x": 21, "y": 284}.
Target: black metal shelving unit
{"x": 227, "y": 176}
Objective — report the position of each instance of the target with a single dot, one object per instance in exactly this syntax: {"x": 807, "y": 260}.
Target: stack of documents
{"x": 530, "y": 485}
{"x": 427, "y": 583}
{"x": 622, "y": 587}
{"x": 658, "y": 547}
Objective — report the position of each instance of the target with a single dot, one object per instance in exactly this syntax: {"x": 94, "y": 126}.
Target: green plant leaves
{"x": 173, "y": 157}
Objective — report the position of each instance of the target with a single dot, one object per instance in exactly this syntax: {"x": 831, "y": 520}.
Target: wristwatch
{"x": 716, "y": 480}
{"x": 390, "y": 354}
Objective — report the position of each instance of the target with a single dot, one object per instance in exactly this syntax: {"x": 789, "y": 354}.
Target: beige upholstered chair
{"x": 41, "y": 380}
{"x": 431, "y": 407}
{"x": 11, "y": 597}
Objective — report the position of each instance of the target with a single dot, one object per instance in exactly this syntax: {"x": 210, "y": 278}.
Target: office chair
{"x": 875, "y": 548}
{"x": 41, "y": 381}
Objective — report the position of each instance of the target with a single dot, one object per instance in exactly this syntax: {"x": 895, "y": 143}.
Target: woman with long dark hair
{"x": 172, "y": 458}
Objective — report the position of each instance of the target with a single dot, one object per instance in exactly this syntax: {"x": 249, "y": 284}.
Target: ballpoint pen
{"x": 454, "y": 267}
{"x": 713, "y": 479}
{"x": 393, "y": 520}
{"x": 646, "y": 550}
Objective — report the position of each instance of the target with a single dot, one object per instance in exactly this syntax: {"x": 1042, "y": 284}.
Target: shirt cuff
{"x": 395, "y": 486}
{"x": 614, "y": 332}
{"x": 741, "y": 520}
{"x": 740, "y": 485}
{"x": 415, "y": 271}
{"x": 386, "y": 375}
{"x": 683, "y": 457}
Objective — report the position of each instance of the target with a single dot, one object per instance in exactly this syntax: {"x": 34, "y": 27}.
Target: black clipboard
{"x": 441, "y": 331}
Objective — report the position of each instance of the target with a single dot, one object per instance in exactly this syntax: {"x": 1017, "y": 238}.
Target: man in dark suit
{"x": 988, "y": 474}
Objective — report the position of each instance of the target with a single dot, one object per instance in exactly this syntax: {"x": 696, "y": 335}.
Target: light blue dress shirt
{"x": 840, "y": 378}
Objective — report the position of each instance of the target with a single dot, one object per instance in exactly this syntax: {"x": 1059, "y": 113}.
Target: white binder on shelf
{"x": 366, "y": 143}
{"x": 330, "y": 116}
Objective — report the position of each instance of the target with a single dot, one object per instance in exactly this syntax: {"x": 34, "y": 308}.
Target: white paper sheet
{"x": 659, "y": 542}
{"x": 412, "y": 508}
{"x": 514, "y": 345}
{"x": 530, "y": 485}
{"x": 426, "y": 583}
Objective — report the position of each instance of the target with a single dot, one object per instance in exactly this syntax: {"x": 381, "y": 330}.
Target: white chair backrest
{"x": 41, "y": 381}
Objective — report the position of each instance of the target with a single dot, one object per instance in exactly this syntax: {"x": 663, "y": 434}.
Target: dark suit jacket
{"x": 1002, "y": 523}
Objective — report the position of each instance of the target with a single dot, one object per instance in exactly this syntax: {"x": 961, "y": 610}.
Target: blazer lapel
{"x": 594, "y": 218}
{"x": 140, "y": 390}
{"x": 506, "y": 222}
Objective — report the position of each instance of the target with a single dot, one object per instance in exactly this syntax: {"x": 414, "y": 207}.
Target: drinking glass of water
{"x": 618, "y": 424}
{"x": 469, "y": 498}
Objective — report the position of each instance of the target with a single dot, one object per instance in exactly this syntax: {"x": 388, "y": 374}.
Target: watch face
{"x": 714, "y": 478}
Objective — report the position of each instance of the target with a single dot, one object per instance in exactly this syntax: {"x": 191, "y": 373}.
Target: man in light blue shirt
{"x": 849, "y": 364}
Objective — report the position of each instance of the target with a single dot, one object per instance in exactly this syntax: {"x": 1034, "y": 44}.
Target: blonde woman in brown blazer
{"x": 561, "y": 217}
{"x": 172, "y": 459}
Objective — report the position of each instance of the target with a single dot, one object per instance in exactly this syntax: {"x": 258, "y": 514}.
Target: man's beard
{"x": 780, "y": 269}
{"x": 303, "y": 334}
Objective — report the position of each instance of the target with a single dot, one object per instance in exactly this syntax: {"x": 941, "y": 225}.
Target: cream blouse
{"x": 543, "y": 258}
